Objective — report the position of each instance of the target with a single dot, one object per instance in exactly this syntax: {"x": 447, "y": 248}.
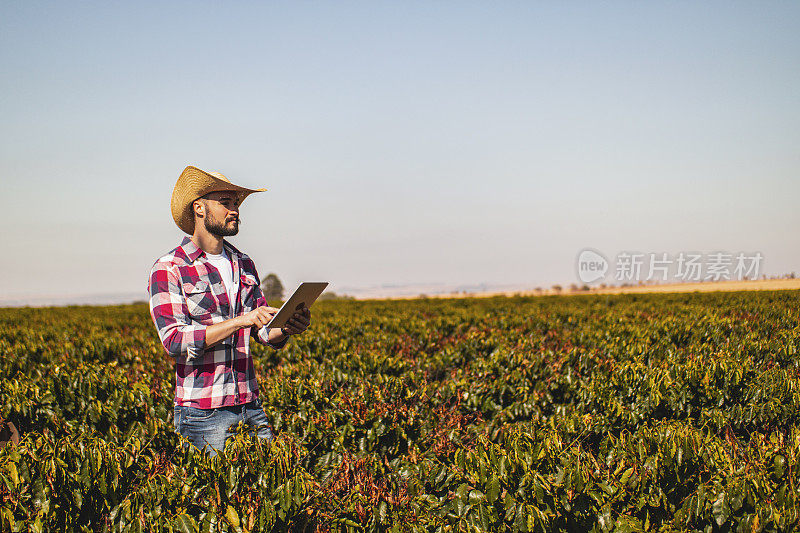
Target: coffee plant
{"x": 662, "y": 412}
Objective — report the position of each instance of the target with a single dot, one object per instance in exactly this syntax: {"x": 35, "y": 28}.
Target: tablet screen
{"x": 305, "y": 295}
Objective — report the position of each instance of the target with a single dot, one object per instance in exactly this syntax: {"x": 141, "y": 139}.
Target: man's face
{"x": 221, "y": 213}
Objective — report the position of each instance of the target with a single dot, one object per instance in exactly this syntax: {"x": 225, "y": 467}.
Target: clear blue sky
{"x": 401, "y": 142}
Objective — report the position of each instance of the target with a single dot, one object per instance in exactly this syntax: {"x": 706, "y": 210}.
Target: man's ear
{"x": 199, "y": 208}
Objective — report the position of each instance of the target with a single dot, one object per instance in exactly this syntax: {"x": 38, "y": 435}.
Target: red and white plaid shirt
{"x": 186, "y": 296}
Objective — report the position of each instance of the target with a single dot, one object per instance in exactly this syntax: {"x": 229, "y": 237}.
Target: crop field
{"x": 653, "y": 412}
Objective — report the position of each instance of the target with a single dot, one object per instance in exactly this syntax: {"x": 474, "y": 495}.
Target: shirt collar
{"x": 231, "y": 249}
{"x": 192, "y": 251}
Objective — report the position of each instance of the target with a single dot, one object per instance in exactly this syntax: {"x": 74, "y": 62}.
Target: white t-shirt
{"x": 223, "y": 264}
{"x": 225, "y": 267}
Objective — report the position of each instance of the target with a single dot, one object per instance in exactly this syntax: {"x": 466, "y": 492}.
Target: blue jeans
{"x": 208, "y": 429}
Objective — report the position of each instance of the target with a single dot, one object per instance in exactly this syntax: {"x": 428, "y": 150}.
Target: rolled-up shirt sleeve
{"x": 262, "y": 337}
{"x": 178, "y": 334}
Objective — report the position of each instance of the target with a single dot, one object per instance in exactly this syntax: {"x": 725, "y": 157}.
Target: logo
{"x": 635, "y": 267}
{"x": 592, "y": 266}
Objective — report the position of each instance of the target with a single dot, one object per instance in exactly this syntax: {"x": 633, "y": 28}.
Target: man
{"x": 206, "y": 304}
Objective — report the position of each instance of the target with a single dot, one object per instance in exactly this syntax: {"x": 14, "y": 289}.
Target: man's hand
{"x": 298, "y": 323}
{"x": 257, "y": 317}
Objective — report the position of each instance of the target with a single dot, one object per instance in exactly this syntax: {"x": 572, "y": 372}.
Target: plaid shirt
{"x": 186, "y": 296}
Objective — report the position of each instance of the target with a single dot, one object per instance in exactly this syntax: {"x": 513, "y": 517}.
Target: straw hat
{"x": 195, "y": 183}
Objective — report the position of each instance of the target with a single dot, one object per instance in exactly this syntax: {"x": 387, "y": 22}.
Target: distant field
{"x": 707, "y": 286}
{"x": 593, "y": 412}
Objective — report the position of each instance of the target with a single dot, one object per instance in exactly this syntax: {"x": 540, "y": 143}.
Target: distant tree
{"x": 272, "y": 287}
{"x": 556, "y": 288}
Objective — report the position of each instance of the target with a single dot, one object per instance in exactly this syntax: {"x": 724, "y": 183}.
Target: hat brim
{"x": 191, "y": 185}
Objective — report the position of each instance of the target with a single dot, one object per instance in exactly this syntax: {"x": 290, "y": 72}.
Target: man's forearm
{"x": 217, "y": 332}
{"x": 276, "y": 336}
{"x": 254, "y": 319}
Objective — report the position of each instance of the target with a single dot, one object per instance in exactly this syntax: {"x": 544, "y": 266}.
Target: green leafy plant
{"x": 663, "y": 412}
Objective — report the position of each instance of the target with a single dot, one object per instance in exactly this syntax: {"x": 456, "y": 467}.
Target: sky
{"x": 401, "y": 143}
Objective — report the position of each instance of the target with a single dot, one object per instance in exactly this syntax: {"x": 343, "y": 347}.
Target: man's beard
{"x": 214, "y": 227}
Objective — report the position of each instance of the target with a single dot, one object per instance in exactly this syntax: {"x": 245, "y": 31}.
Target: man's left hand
{"x": 298, "y": 323}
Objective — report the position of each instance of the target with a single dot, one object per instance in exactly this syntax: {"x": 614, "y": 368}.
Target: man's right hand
{"x": 258, "y": 317}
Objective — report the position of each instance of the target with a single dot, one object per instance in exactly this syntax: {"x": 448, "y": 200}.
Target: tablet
{"x": 305, "y": 295}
